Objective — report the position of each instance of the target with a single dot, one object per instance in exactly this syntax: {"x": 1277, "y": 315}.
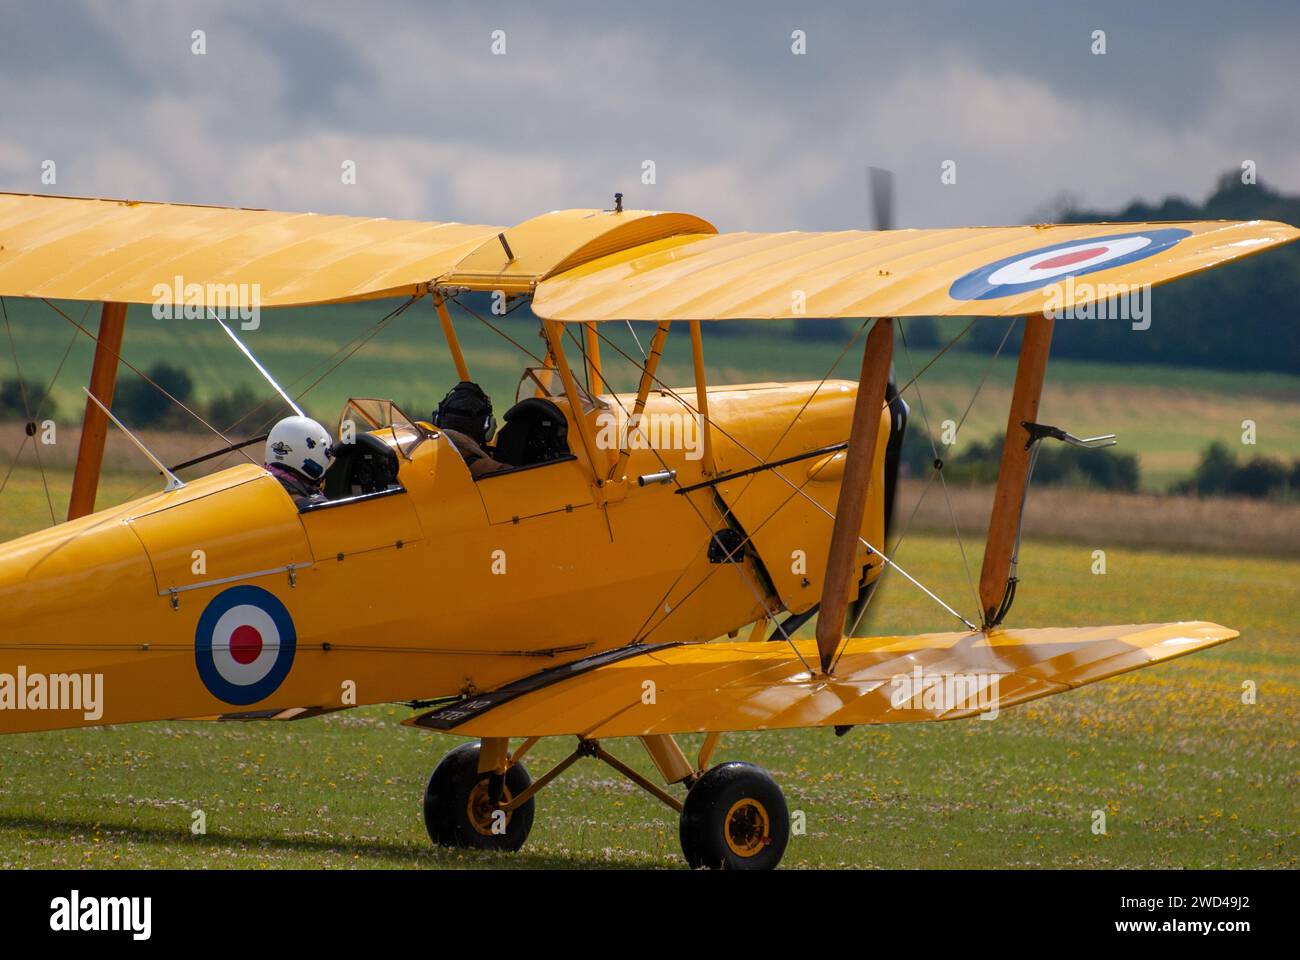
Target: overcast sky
{"x": 741, "y": 130}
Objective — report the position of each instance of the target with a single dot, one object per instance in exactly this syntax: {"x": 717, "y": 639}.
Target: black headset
{"x": 467, "y": 400}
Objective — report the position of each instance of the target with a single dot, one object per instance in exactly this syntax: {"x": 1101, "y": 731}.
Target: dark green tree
{"x": 141, "y": 404}
{"x": 19, "y": 398}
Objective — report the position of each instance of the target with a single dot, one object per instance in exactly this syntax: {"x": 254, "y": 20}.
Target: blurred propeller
{"x": 880, "y": 185}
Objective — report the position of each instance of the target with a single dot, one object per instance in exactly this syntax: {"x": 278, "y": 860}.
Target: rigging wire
{"x": 938, "y": 469}
{"x": 134, "y": 369}
{"x": 586, "y": 363}
{"x": 898, "y": 542}
{"x": 641, "y": 633}
{"x": 27, "y": 408}
{"x": 359, "y": 340}
{"x": 729, "y": 509}
{"x": 965, "y": 413}
{"x": 40, "y": 407}
{"x": 929, "y": 482}
{"x": 946, "y": 347}
{"x": 498, "y": 331}
{"x": 635, "y": 339}
{"x": 821, "y": 383}
{"x": 351, "y": 348}
{"x": 798, "y": 491}
{"x": 257, "y": 364}
{"x": 835, "y": 365}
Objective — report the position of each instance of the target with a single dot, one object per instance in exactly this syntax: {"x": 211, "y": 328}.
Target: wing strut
{"x": 1004, "y": 521}
{"x": 642, "y": 393}
{"x": 555, "y": 339}
{"x": 94, "y": 424}
{"x": 449, "y": 334}
{"x": 595, "y": 382}
{"x": 702, "y": 398}
{"x": 841, "y": 563}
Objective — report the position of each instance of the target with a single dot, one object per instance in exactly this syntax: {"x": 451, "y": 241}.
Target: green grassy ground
{"x": 1167, "y": 416}
{"x": 1188, "y": 775}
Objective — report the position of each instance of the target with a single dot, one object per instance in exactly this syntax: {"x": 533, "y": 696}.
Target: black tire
{"x": 735, "y": 818}
{"x": 456, "y": 784}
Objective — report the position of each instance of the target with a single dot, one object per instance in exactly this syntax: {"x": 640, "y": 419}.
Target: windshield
{"x": 547, "y": 382}
{"x": 365, "y": 414}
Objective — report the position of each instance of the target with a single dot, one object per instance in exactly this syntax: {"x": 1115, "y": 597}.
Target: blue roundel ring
{"x": 975, "y": 285}
{"x": 255, "y": 669}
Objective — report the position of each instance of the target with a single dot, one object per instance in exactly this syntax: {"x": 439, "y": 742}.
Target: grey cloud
{"x": 741, "y": 131}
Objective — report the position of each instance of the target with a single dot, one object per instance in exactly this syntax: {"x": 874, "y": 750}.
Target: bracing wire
{"x": 929, "y": 482}
{"x": 798, "y": 490}
{"x": 27, "y": 409}
{"x": 40, "y": 407}
{"x": 138, "y": 372}
{"x": 938, "y": 469}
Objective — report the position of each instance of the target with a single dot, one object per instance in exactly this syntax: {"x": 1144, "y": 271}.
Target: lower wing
{"x": 768, "y": 685}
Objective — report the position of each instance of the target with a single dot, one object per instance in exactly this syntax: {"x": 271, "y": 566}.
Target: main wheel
{"x": 735, "y": 818}
{"x": 458, "y": 805}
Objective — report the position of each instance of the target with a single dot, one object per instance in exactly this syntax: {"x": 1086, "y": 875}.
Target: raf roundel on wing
{"x": 1024, "y": 272}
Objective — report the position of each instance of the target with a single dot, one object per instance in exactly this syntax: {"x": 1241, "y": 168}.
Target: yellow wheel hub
{"x": 747, "y": 827}
{"x": 480, "y": 808}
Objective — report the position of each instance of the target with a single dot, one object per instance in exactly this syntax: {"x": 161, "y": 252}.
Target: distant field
{"x": 1103, "y": 520}
{"x": 1166, "y": 416}
{"x": 1097, "y": 519}
{"x": 1187, "y": 774}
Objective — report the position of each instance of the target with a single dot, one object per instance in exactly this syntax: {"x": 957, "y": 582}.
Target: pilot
{"x": 298, "y": 452}
{"x": 465, "y": 416}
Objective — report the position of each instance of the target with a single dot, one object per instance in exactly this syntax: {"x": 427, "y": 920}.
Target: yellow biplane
{"x": 596, "y": 587}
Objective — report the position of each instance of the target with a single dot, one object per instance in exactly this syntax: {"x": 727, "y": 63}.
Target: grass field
{"x": 1167, "y": 416}
{"x": 1188, "y": 775}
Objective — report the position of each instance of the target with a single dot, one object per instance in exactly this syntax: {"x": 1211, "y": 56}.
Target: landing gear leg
{"x": 734, "y": 817}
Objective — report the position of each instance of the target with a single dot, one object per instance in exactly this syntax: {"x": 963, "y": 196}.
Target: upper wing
{"x": 762, "y": 686}
{"x": 968, "y": 271}
{"x": 116, "y": 250}
{"x": 664, "y": 266}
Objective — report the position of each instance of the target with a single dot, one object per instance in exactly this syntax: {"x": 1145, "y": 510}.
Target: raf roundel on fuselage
{"x": 244, "y": 644}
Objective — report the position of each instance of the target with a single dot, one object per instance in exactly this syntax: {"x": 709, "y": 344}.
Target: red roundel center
{"x": 245, "y": 644}
{"x": 1065, "y": 259}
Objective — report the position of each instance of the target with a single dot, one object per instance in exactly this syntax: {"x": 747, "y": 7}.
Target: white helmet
{"x": 302, "y": 445}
